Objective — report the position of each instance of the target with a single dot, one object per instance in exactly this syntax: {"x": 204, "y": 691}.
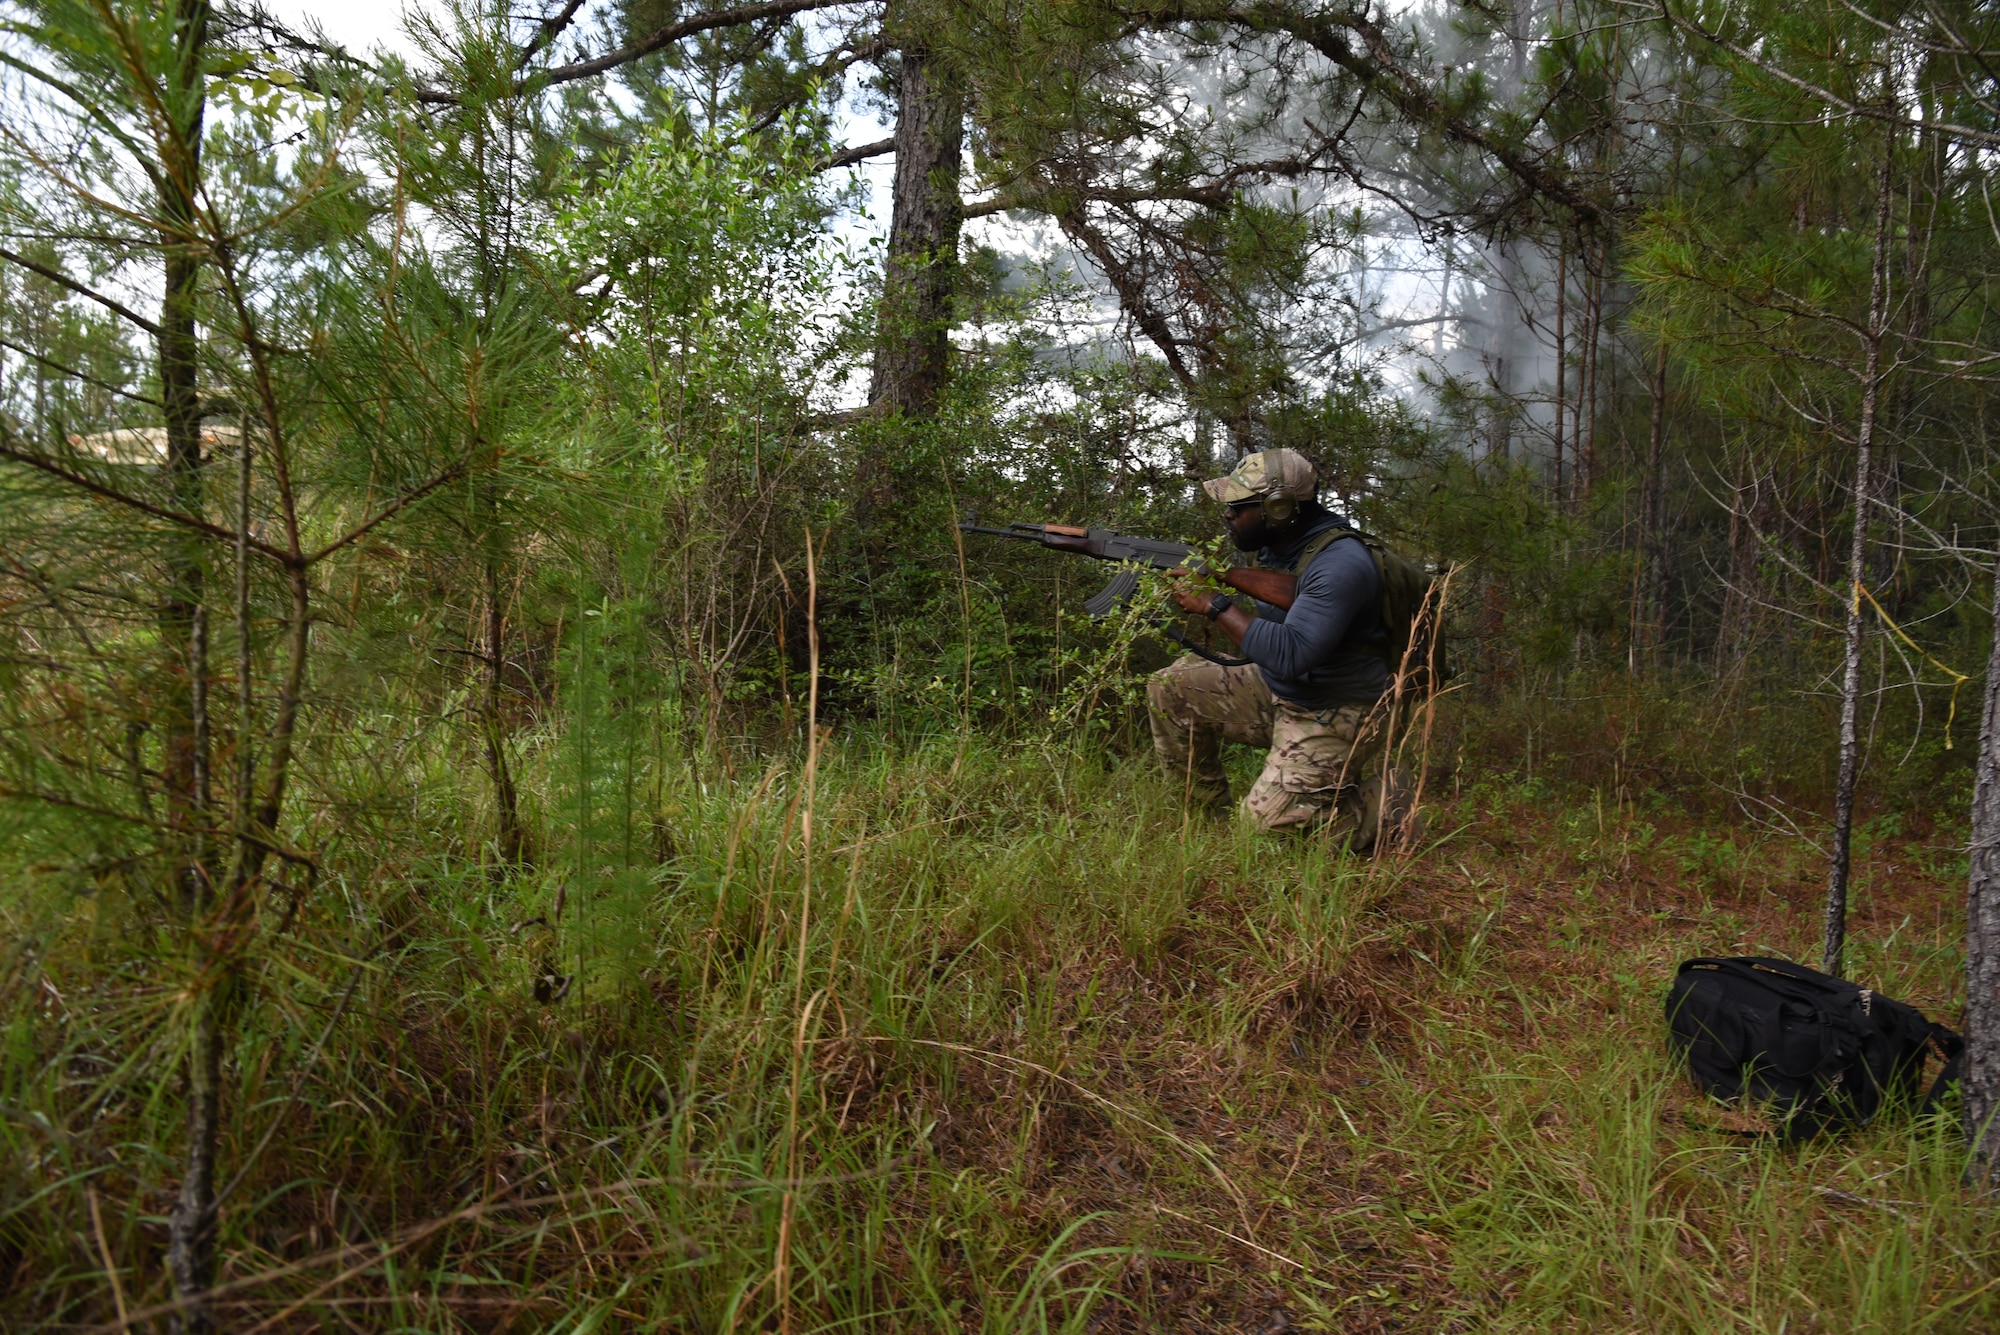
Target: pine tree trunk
{"x": 912, "y": 344}
{"x": 183, "y": 624}
{"x": 1857, "y": 570}
{"x": 493, "y": 225}
{"x": 512, "y": 838}
{"x": 1850, "y": 710}
{"x": 1651, "y": 628}
{"x": 1586, "y": 417}
{"x": 1981, "y": 1081}
{"x": 1562, "y": 357}
{"x": 191, "y": 1228}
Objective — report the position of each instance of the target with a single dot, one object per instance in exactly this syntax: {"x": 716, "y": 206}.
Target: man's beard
{"x": 1258, "y": 538}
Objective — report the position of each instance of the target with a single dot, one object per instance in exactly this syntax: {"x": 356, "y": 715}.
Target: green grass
{"x": 1012, "y": 1046}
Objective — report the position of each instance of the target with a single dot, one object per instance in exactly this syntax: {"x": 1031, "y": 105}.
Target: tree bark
{"x": 219, "y": 937}
{"x": 1981, "y": 1081}
{"x": 1585, "y": 473}
{"x": 1562, "y": 356}
{"x": 513, "y": 840}
{"x": 183, "y": 624}
{"x": 1650, "y": 579}
{"x": 191, "y": 1225}
{"x": 1857, "y": 570}
{"x": 191, "y": 1228}
{"x": 912, "y": 344}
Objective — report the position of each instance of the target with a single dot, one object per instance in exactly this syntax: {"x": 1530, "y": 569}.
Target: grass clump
{"x": 955, "y": 1035}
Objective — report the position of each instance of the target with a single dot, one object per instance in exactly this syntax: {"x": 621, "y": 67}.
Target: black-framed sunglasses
{"x": 1234, "y": 508}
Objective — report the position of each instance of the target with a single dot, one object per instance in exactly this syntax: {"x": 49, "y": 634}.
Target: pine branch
{"x": 847, "y": 157}
{"x": 63, "y": 280}
{"x": 645, "y": 46}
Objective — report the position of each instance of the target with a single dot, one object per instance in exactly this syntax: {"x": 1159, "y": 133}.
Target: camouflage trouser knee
{"x": 1196, "y": 705}
{"x": 1323, "y": 771}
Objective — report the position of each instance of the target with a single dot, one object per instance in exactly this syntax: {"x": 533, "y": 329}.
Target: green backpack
{"x": 1412, "y": 607}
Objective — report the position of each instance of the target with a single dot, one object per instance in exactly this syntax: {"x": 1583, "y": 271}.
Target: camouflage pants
{"x": 1324, "y": 768}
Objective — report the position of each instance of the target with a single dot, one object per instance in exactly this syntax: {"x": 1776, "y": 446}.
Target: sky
{"x": 357, "y": 24}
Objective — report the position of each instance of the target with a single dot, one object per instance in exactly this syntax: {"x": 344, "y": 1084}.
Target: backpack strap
{"x": 1399, "y": 604}
{"x": 1324, "y": 539}
{"x": 1952, "y": 1048}
{"x": 1390, "y": 653}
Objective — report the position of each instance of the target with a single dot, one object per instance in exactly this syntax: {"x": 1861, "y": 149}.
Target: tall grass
{"x": 1038, "y": 1053}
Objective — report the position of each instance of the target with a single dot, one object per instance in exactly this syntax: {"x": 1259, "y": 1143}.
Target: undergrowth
{"x": 951, "y": 1035}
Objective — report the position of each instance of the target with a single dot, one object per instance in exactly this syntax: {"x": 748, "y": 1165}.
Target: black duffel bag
{"x": 1814, "y": 1051}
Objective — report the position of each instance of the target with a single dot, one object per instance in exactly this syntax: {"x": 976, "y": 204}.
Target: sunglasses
{"x": 1234, "y": 508}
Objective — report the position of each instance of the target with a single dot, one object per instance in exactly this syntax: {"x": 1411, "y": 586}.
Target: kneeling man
{"x": 1314, "y": 689}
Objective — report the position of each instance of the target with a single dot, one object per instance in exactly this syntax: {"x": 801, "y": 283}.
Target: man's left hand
{"x": 1192, "y": 601}
{"x": 1196, "y": 602}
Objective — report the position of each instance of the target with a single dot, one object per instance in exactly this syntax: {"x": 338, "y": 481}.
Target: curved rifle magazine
{"x": 1113, "y": 595}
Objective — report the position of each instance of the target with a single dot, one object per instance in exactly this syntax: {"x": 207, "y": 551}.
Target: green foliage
{"x": 709, "y": 277}
{"x": 585, "y": 983}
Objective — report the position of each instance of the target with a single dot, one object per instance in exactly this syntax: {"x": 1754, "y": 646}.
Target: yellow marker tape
{"x": 1958, "y": 678}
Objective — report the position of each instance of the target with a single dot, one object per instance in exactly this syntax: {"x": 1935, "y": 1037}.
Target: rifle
{"x": 1268, "y": 586}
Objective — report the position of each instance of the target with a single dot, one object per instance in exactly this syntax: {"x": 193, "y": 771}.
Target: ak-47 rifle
{"x": 1270, "y": 586}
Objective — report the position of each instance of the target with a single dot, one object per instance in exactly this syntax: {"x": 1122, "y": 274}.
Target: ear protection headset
{"x": 1279, "y": 508}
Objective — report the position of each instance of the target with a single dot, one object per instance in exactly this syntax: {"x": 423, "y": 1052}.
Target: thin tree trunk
{"x": 191, "y": 1229}
{"x": 511, "y": 840}
{"x": 1981, "y": 1080}
{"x": 1562, "y": 313}
{"x": 1857, "y": 570}
{"x": 1647, "y": 616}
{"x": 191, "y": 1224}
{"x": 183, "y": 623}
{"x": 912, "y": 346}
{"x": 1586, "y": 418}
{"x": 246, "y": 698}
{"x": 493, "y": 652}
{"x": 1562, "y": 352}
{"x": 221, "y": 937}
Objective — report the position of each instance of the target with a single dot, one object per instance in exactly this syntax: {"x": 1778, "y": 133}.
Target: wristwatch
{"x": 1221, "y": 603}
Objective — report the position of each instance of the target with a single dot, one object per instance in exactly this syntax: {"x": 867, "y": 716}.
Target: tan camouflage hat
{"x": 1263, "y": 475}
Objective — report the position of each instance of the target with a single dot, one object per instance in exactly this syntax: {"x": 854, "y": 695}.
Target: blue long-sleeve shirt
{"x": 1327, "y": 650}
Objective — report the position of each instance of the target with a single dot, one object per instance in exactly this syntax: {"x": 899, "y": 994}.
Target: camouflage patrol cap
{"x": 1266, "y": 475}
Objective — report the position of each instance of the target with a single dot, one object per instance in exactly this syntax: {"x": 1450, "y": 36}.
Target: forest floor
{"x": 1440, "y": 1098}
{"x": 1047, "y": 1054}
